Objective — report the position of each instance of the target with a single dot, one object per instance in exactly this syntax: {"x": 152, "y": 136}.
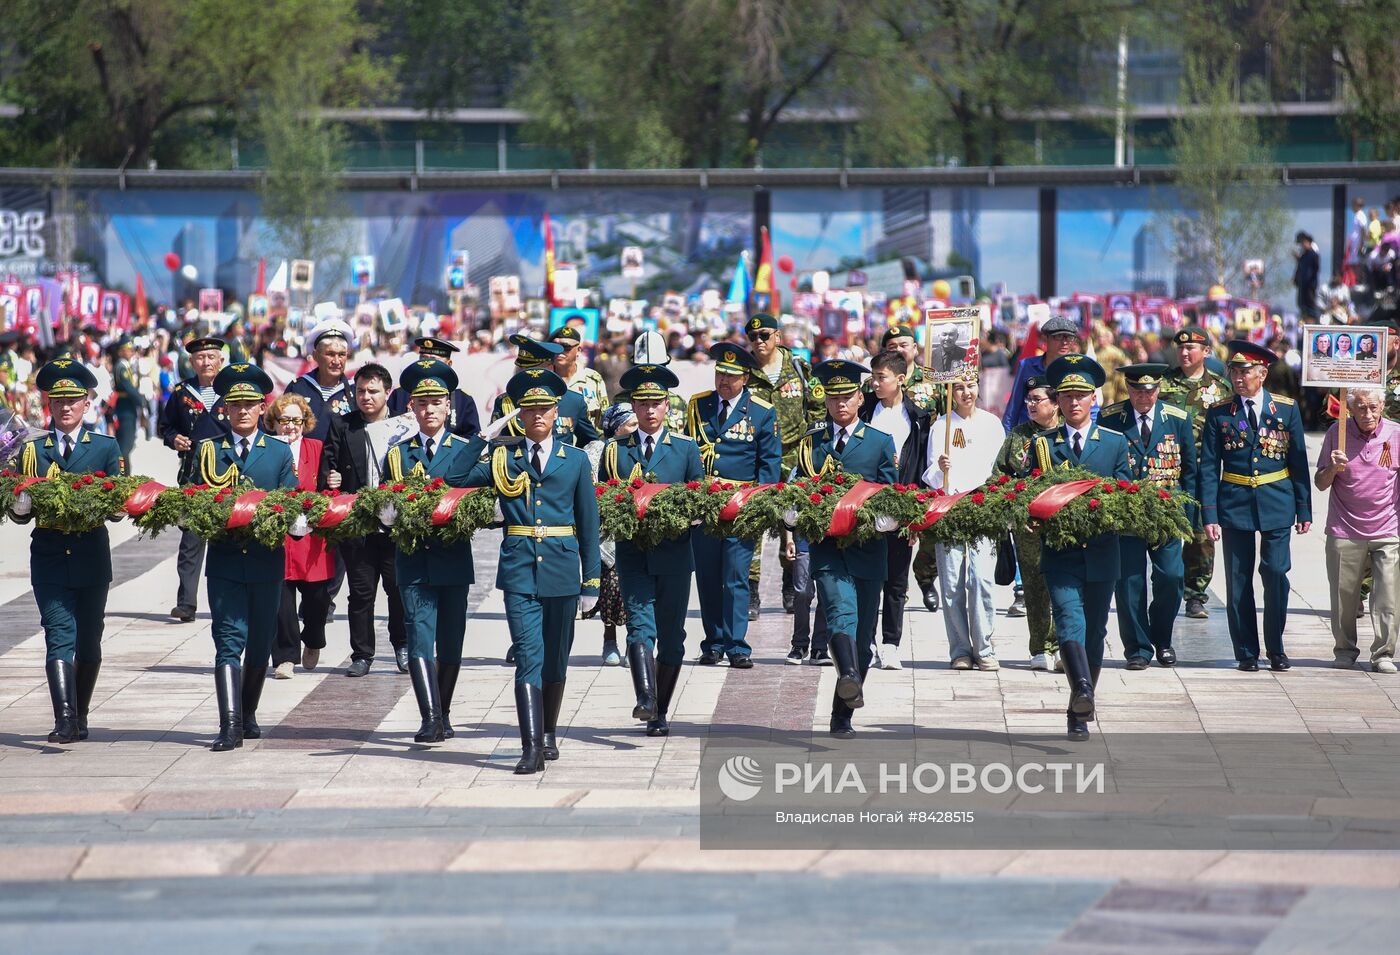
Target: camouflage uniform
{"x": 675, "y": 409}
{"x": 1195, "y": 396}
{"x": 1392, "y": 394}
{"x": 1014, "y": 459}
{"x": 589, "y": 384}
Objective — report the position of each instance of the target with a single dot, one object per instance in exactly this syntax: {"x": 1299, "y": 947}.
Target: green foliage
{"x": 71, "y": 503}
{"x": 814, "y": 502}
{"x": 414, "y": 499}
{"x": 669, "y": 514}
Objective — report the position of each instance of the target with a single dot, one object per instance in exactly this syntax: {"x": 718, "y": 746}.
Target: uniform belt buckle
{"x": 539, "y": 533}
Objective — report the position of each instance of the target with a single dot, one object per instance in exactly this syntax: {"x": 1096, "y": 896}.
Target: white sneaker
{"x": 1383, "y": 665}
{"x": 988, "y": 663}
{"x": 283, "y": 671}
{"x": 1059, "y": 663}
{"x": 1042, "y": 661}
{"x": 889, "y": 657}
{"x": 962, "y": 663}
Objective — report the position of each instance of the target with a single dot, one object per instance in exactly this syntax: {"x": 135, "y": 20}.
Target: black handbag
{"x": 1006, "y": 562}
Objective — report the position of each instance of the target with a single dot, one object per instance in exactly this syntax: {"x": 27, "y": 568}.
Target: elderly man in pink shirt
{"x": 1362, "y": 526}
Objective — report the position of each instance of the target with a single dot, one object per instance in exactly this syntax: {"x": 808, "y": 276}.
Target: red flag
{"x": 763, "y": 279}
{"x": 548, "y": 261}
{"x": 141, "y": 309}
{"x": 262, "y": 277}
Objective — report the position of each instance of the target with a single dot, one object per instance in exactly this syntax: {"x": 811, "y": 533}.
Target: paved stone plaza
{"x": 337, "y": 833}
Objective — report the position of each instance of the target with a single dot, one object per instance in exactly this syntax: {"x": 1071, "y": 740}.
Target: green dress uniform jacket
{"x": 268, "y": 468}
{"x": 571, "y": 426}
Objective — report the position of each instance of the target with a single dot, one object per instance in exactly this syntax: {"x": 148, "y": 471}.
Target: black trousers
{"x": 291, "y": 632}
{"x": 896, "y": 589}
{"x": 187, "y": 565}
{"x": 369, "y": 561}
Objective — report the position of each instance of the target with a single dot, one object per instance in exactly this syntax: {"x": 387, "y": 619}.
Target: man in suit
{"x": 1254, "y": 493}
{"x": 362, "y": 440}
{"x": 193, "y": 413}
{"x": 463, "y": 420}
{"x": 887, "y": 408}
{"x": 434, "y": 579}
{"x": 549, "y": 566}
{"x": 69, "y": 573}
{"x": 325, "y": 387}
{"x": 1080, "y": 580}
{"x": 655, "y": 583}
{"x": 245, "y": 578}
{"x": 737, "y": 433}
{"x": 848, "y": 579}
{"x": 572, "y": 423}
{"x": 1161, "y": 450}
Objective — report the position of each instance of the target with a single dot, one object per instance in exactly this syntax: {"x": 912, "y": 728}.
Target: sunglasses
{"x": 291, "y": 420}
{"x": 760, "y": 336}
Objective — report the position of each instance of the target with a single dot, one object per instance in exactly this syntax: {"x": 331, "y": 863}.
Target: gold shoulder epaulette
{"x": 1112, "y": 409}
{"x": 1172, "y": 411}
{"x": 1283, "y": 399}
{"x": 700, "y": 394}
{"x": 759, "y": 401}
{"x": 1223, "y": 402}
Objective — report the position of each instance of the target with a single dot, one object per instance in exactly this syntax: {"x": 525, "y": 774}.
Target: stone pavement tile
{"x": 210, "y": 799}
{"x": 1307, "y": 868}
{"x": 60, "y": 801}
{"x": 514, "y": 799}
{"x": 552, "y": 855}
{"x": 347, "y": 856}
{"x": 18, "y": 785}
{"x": 961, "y": 862}
{"x": 1112, "y": 863}
{"x": 160, "y": 860}
{"x": 341, "y": 797}
{"x": 36, "y": 863}
{"x": 1342, "y": 919}
{"x": 639, "y": 799}
{"x": 687, "y": 856}
{"x": 1357, "y": 808}
{"x": 1099, "y": 932}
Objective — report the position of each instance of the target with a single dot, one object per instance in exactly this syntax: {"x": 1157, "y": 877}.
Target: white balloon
{"x": 190, "y": 272}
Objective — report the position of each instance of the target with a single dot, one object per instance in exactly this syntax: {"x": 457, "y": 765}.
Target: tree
{"x": 452, "y": 48}
{"x": 124, "y": 81}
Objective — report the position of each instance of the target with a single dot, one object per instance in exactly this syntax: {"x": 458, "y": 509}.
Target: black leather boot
{"x": 1081, "y": 686}
{"x": 447, "y": 671}
{"x": 63, "y": 693}
{"x": 643, "y": 667}
{"x": 228, "y": 686}
{"x": 529, "y": 711}
{"x": 841, "y": 726}
{"x": 553, "y": 699}
{"x": 666, "y": 677}
{"x": 253, "y": 679}
{"x": 86, "y": 679}
{"x": 425, "y": 688}
{"x": 1076, "y": 728}
{"x": 843, "y": 651}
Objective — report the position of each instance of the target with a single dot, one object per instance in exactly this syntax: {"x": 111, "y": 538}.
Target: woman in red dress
{"x": 310, "y": 561}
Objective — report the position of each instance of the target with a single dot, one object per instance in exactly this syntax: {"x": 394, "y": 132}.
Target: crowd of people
{"x": 1218, "y": 419}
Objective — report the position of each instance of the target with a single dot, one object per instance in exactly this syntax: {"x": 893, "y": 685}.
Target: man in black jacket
{"x": 888, "y": 409}
{"x": 360, "y": 441}
{"x": 1305, "y": 275}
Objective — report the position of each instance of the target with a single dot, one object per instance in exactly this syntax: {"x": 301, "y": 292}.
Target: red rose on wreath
{"x": 277, "y": 508}
{"x": 827, "y": 489}
{"x": 1133, "y": 488}
{"x": 815, "y": 498}
{"x": 1011, "y": 495}
{"x": 840, "y": 479}
{"x": 978, "y": 497}
{"x": 780, "y": 485}
{"x": 77, "y": 485}
{"x": 921, "y": 498}
{"x": 308, "y": 503}
{"x": 1035, "y": 472}
{"x": 619, "y": 497}
{"x": 1164, "y": 495}
{"x": 191, "y": 492}
{"x": 601, "y": 491}
{"x": 1003, "y": 479}
{"x": 636, "y": 484}
{"x": 1020, "y": 485}
{"x": 1124, "y": 485}
{"x": 400, "y": 488}
{"x": 412, "y": 496}
{"x": 1093, "y": 503}
{"x": 612, "y": 482}
{"x": 692, "y": 485}
{"x": 87, "y": 478}
{"x": 101, "y": 474}
{"x": 107, "y": 485}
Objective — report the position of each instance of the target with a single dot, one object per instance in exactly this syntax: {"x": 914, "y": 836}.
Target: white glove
{"x": 790, "y": 517}
{"x": 586, "y": 604}
{"x": 23, "y": 505}
{"x": 492, "y": 430}
{"x": 884, "y": 523}
{"x": 388, "y": 514}
{"x": 300, "y": 527}
{"x": 498, "y": 516}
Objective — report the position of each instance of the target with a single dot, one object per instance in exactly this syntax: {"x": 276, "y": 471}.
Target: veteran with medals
{"x": 244, "y": 577}
{"x": 1081, "y": 580}
{"x": 737, "y": 433}
{"x": 1255, "y": 493}
{"x": 69, "y": 573}
{"x": 849, "y": 580}
{"x": 1161, "y": 451}
{"x": 655, "y": 583}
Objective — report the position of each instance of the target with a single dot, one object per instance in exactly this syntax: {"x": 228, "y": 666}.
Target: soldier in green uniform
{"x": 572, "y": 423}
{"x": 69, "y": 573}
{"x": 581, "y": 379}
{"x": 244, "y": 577}
{"x": 1194, "y": 388}
{"x": 930, "y": 397}
{"x": 129, "y": 400}
{"x": 785, "y": 382}
{"x": 1015, "y": 459}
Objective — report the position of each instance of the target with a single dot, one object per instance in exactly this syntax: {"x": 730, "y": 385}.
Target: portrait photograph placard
{"x": 952, "y": 343}
{"x": 1344, "y": 356}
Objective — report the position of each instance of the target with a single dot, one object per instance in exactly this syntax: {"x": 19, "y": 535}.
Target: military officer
{"x": 69, "y": 573}
{"x": 581, "y": 379}
{"x": 549, "y": 565}
{"x": 571, "y": 421}
{"x": 927, "y": 396}
{"x": 434, "y": 579}
{"x": 785, "y": 382}
{"x": 245, "y": 578}
{"x": 1080, "y": 580}
{"x": 849, "y": 580}
{"x": 462, "y": 419}
{"x": 128, "y": 401}
{"x": 193, "y": 412}
{"x": 1254, "y": 492}
{"x": 1195, "y": 387}
{"x": 655, "y": 583}
{"x": 1161, "y": 450}
{"x": 737, "y": 433}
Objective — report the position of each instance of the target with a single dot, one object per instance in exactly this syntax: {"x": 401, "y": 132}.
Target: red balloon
{"x": 785, "y": 263}
{"x": 172, "y": 261}
{"x": 792, "y": 284}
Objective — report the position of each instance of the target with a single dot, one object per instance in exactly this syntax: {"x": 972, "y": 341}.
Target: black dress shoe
{"x": 357, "y": 668}
{"x": 710, "y": 658}
{"x": 1076, "y": 728}
{"x": 1138, "y": 663}
{"x": 1167, "y": 657}
{"x": 1249, "y": 665}
{"x": 931, "y": 597}
{"x": 182, "y": 614}
{"x": 401, "y": 658}
{"x": 1278, "y": 662}
{"x": 510, "y": 654}
{"x": 740, "y": 661}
